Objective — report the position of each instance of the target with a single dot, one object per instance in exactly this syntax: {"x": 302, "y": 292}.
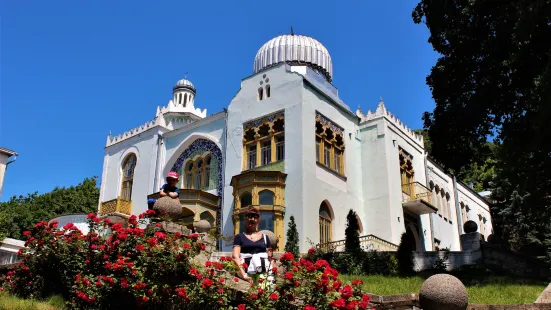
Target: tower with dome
{"x": 288, "y": 144}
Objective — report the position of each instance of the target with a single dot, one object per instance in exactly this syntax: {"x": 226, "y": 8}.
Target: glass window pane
{"x": 266, "y": 221}
{"x": 266, "y": 197}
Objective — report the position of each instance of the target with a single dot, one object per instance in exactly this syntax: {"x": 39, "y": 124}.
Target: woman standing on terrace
{"x": 252, "y": 250}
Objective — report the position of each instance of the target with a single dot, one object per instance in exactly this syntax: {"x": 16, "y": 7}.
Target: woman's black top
{"x": 251, "y": 247}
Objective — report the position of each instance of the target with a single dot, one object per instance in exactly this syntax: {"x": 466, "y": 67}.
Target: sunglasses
{"x": 253, "y": 216}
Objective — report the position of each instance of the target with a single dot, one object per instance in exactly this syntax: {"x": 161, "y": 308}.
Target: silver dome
{"x": 294, "y": 49}
{"x": 184, "y": 83}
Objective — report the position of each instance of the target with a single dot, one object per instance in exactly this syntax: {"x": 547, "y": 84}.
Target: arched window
{"x": 189, "y": 175}
{"x": 128, "y": 166}
{"x": 436, "y": 198}
{"x": 443, "y": 203}
{"x": 197, "y": 173}
{"x": 179, "y": 99}
{"x": 246, "y": 200}
{"x": 266, "y": 197}
{"x": 325, "y": 230}
{"x": 207, "y": 217}
{"x": 260, "y": 93}
{"x": 268, "y": 91}
{"x": 206, "y": 172}
{"x": 185, "y": 100}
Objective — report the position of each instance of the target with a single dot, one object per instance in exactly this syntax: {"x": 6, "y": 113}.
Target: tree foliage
{"x": 352, "y": 233}
{"x": 493, "y": 80}
{"x": 20, "y": 213}
{"x": 292, "y": 238}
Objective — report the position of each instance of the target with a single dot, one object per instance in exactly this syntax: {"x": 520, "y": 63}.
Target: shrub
{"x": 153, "y": 269}
{"x": 292, "y": 238}
{"x": 404, "y": 254}
{"x": 352, "y": 234}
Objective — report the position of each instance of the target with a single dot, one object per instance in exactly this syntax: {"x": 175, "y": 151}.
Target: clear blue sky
{"x": 72, "y": 71}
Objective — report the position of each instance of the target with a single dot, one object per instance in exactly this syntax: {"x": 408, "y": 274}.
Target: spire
{"x": 292, "y": 32}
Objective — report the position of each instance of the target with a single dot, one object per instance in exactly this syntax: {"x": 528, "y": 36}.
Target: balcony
{"x": 116, "y": 205}
{"x": 196, "y": 205}
{"x": 416, "y": 198}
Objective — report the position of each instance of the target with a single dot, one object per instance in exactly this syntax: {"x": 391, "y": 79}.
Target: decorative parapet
{"x": 170, "y": 117}
{"x": 133, "y": 132}
{"x": 383, "y": 112}
{"x": 116, "y": 205}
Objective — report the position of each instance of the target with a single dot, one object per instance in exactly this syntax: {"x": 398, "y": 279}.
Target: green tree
{"x": 426, "y": 139}
{"x": 20, "y": 213}
{"x": 404, "y": 254}
{"x": 292, "y": 238}
{"x": 493, "y": 79}
{"x": 352, "y": 233}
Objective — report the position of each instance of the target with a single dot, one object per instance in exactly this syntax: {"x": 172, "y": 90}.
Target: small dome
{"x": 184, "y": 83}
{"x": 297, "y": 50}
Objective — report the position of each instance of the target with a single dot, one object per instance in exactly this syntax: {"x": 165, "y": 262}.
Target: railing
{"x": 117, "y": 205}
{"x": 193, "y": 196}
{"x": 364, "y": 240}
{"x": 415, "y": 191}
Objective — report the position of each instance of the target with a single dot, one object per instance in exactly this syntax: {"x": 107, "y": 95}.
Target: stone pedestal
{"x": 470, "y": 241}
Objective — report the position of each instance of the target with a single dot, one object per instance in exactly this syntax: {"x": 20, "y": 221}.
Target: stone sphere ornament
{"x": 171, "y": 206}
{"x": 270, "y": 236}
{"x": 443, "y": 291}
{"x": 470, "y": 227}
{"x": 202, "y": 226}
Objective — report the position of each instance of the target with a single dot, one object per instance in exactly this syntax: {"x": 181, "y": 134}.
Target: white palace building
{"x": 290, "y": 145}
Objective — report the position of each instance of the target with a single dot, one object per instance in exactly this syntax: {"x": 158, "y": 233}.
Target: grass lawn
{"x": 14, "y": 303}
{"x": 493, "y": 290}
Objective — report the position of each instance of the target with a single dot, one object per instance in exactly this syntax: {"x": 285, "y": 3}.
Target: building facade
{"x": 5, "y": 155}
{"x": 288, "y": 144}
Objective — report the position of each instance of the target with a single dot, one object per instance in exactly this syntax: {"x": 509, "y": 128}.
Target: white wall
{"x": 478, "y": 208}
{"x": 286, "y": 95}
{"x": 320, "y": 184}
{"x": 144, "y": 146}
{"x": 444, "y": 224}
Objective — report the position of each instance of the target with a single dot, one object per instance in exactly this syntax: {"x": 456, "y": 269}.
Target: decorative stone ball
{"x": 470, "y": 227}
{"x": 171, "y": 206}
{"x": 201, "y": 226}
{"x": 270, "y": 236}
{"x": 443, "y": 291}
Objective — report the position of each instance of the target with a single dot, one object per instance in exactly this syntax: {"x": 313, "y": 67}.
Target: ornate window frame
{"x": 264, "y": 141}
{"x": 127, "y": 177}
{"x": 329, "y": 144}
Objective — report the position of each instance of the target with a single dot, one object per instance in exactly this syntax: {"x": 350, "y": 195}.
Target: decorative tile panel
{"x": 268, "y": 118}
{"x": 200, "y": 146}
{"x": 326, "y": 122}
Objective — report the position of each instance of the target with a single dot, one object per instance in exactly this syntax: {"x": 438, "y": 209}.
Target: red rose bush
{"x": 115, "y": 266}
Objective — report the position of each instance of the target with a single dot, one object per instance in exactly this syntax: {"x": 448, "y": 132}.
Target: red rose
{"x": 339, "y": 303}
{"x": 221, "y": 291}
{"x": 346, "y": 292}
{"x": 310, "y": 251}
{"x": 357, "y": 282}
{"x": 139, "y": 247}
{"x": 207, "y": 283}
{"x": 365, "y": 298}
{"x": 274, "y": 269}
{"x": 235, "y": 280}
{"x": 308, "y": 307}
{"x": 274, "y": 296}
{"x": 288, "y": 275}
{"x": 241, "y": 307}
{"x": 91, "y": 215}
{"x": 26, "y": 233}
{"x": 187, "y": 246}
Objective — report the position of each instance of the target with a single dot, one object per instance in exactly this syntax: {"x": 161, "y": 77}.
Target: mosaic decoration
{"x": 268, "y": 118}
{"x": 326, "y": 122}
{"x": 204, "y": 145}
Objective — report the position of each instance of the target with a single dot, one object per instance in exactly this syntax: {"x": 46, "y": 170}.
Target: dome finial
{"x": 292, "y": 32}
